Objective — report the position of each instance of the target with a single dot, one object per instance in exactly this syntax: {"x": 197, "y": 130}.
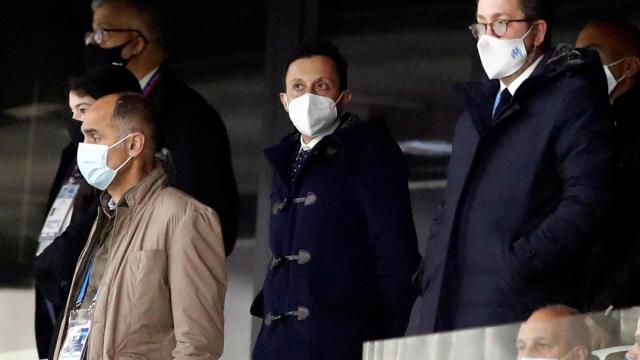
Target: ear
{"x": 138, "y": 44}
{"x": 345, "y": 100}
{"x": 539, "y": 32}
{"x": 581, "y": 353}
{"x": 283, "y": 101}
{"x": 631, "y": 67}
{"x": 136, "y": 144}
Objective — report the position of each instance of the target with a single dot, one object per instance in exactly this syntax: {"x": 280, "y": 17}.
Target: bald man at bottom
{"x": 554, "y": 332}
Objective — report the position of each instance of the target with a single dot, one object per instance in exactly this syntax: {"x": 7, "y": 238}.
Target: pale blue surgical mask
{"x": 92, "y": 162}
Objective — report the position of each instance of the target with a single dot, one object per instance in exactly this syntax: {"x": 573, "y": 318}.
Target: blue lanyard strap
{"x": 85, "y": 285}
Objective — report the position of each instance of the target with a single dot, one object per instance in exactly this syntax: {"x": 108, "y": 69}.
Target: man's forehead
{"x": 113, "y": 16}
{"x": 313, "y": 67}
{"x": 491, "y": 9}
{"x": 541, "y": 328}
{"x": 101, "y": 112}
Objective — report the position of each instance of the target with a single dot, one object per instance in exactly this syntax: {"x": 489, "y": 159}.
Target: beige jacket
{"x": 162, "y": 293}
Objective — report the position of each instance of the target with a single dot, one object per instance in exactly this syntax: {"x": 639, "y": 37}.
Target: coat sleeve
{"x": 434, "y": 232}
{"x": 392, "y": 235}
{"x": 584, "y": 162}
{"x": 197, "y": 280}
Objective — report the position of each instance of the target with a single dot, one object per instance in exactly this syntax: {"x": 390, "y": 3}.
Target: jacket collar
{"x": 153, "y": 182}
{"x": 281, "y": 155}
{"x": 563, "y": 60}
{"x": 624, "y": 106}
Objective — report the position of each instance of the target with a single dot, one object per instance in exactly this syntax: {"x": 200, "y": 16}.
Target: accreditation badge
{"x": 75, "y": 342}
{"x": 58, "y": 217}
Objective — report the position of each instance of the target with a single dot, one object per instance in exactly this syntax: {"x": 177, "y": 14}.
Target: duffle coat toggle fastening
{"x": 308, "y": 200}
{"x": 303, "y": 257}
{"x": 300, "y": 314}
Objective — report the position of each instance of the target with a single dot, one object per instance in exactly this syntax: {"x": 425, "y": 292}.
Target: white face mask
{"x": 312, "y": 114}
{"x": 611, "y": 80}
{"x": 92, "y": 162}
{"x": 502, "y": 57}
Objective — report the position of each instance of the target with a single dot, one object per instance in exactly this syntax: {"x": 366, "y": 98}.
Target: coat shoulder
{"x": 185, "y": 103}
{"x": 178, "y": 204}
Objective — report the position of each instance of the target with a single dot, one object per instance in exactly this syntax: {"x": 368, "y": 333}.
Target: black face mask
{"x": 97, "y": 56}
{"x": 74, "y": 131}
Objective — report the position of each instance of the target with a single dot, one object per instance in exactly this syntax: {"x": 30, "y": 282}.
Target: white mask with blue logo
{"x": 502, "y": 57}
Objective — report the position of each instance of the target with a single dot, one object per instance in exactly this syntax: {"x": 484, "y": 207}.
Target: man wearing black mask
{"x": 132, "y": 33}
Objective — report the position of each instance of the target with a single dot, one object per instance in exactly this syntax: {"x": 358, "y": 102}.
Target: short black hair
{"x": 317, "y": 47}
{"x": 104, "y": 80}
{"x": 153, "y": 13}
{"x": 540, "y": 10}
{"x": 134, "y": 112}
{"x": 623, "y": 32}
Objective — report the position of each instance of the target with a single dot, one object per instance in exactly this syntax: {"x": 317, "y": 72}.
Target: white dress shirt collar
{"x": 515, "y": 84}
{"x": 145, "y": 80}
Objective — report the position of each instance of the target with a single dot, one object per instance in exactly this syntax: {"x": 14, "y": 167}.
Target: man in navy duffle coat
{"x": 530, "y": 178}
{"x": 342, "y": 235}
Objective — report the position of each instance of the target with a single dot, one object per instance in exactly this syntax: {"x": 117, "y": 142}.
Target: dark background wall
{"x": 404, "y": 55}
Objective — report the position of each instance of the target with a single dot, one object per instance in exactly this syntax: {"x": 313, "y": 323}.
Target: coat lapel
{"x": 280, "y": 156}
{"x": 479, "y": 97}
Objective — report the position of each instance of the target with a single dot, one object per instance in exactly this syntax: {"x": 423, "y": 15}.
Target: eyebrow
{"x": 494, "y": 16}
{"x": 80, "y": 104}
{"x": 90, "y": 131}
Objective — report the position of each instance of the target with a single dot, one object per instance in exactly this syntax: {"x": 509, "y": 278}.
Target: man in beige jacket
{"x": 150, "y": 283}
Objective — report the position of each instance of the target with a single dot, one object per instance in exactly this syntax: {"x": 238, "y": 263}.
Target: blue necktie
{"x": 297, "y": 164}
{"x": 502, "y": 100}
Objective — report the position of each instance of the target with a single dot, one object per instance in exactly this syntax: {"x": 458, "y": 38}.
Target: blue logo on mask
{"x": 516, "y": 53}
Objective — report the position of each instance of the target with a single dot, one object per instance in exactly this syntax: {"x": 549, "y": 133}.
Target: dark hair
{"x": 152, "y": 13}
{"x": 316, "y": 47}
{"x": 104, "y": 80}
{"x": 540, "y": 10}
{"x": 622, "y": 32}
{"x": 134, "y": 112}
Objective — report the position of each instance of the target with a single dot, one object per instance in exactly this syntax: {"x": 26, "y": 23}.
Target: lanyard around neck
{"x": 85, "y": 285}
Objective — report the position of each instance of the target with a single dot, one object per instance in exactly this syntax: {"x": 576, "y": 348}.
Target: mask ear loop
{"x": 123, "y": 164}
{"x": 614, "y": 64}
{"x": 335, "y": 104}
{"x": 535, "y": 48}
{"x": 120, "y": 141}
{"x": 528, "y": 32}
{"x": 116, "y": 144}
